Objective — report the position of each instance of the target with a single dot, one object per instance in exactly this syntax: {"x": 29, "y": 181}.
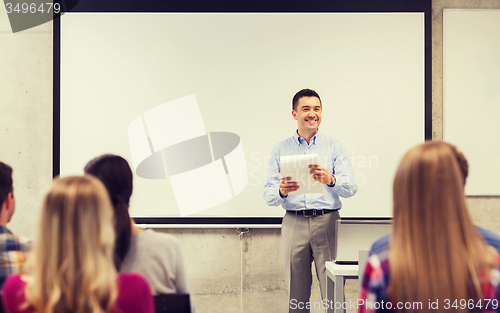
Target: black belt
{"x": 311, "y": 212}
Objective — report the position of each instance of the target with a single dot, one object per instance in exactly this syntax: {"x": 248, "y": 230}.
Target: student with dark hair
{"x": 435, "y": 254}
{"x": 13, "y": 249}
{"x": 155, "y": 255}
{"x": 115, "y": 174}
{"x": 71, "y": 267}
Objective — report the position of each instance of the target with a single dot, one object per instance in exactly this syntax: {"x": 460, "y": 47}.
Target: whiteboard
{"x": 471, "y": 93}
{"x": 123, "y": 69}
{"x": 354, "y": 235}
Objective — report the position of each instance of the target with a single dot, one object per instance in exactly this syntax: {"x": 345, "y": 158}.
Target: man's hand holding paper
{"x": 287, "y": 186}
{"x": 301, "y": 174}
{"x": 322, "y": 175}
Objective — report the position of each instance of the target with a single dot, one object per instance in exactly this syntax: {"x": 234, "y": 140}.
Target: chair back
{"x": 172, "y": 303}
{"x": 1, "y": 303}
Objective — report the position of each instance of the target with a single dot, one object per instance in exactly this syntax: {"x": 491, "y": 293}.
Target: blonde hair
{"x": 435, "y": 251}
{"x": 71, "y": 265}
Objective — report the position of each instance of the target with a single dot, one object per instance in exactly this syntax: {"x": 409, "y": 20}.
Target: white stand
{"x": 335, "y": 275}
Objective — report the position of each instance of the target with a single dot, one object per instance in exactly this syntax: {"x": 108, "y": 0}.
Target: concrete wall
{"x": 485, "y": 211}
{"x": 26, "y": 116}
{"x": 228, "y": 273}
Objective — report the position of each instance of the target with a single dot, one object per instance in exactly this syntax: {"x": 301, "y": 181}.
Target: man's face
{"x": 308, "y": 113}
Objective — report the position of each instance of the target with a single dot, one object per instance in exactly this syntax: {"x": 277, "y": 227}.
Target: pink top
{"x": 134, "y": 295}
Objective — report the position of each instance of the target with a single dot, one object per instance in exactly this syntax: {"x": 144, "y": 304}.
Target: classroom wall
{"x": 221, "y": 263}
{"x": 485, "y": 211}
{"x": 26, "y": 117}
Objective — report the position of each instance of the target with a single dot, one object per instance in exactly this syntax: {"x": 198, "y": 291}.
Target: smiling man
{"x": 308, "y": 229}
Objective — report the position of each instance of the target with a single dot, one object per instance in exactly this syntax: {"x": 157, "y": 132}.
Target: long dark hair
{"x": 116, "y": 175}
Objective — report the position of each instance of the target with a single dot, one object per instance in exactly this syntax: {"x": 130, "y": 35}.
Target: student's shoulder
{"x": 488, "y": 234}
{"x": 12, "y": 242}
{"x": 131, "y": 279}
{"x": 380, "y": 244}
{"x": 152, "y": 236}
{"x": 134, "y": 294}
{"x": 13, "y": 291}
{"x": 24, "y": 243}
{"x": 13, "y": 282}
{"x": 490, "y": 237}
{"x": 130, "y": 284}
{"x": 152, "y": 242}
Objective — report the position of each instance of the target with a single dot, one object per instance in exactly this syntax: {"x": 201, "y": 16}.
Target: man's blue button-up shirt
{"x": 332, "y": 155}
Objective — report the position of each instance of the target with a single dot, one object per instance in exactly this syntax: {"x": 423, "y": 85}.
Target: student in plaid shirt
{"x": 436, "y": 260}
{"x": 13, "y": 250}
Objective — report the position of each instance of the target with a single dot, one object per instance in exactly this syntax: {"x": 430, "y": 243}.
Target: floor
{"x": 263, "y": 302}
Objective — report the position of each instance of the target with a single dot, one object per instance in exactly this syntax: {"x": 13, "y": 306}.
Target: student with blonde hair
{"x": 71, "y": 267}
{"x": 436, "y": 260}
{"x": 491, "y": 238}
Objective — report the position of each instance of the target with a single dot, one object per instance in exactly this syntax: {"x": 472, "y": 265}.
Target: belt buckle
{"x": 314, "y": 213}
{"x": 319, "y": 212}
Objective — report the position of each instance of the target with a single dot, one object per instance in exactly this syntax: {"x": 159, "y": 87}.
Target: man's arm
{"x": 271, "y": 188}
{"x": 345, "y": 184}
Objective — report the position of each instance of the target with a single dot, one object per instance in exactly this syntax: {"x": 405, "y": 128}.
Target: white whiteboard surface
{"x": 355, "y": 235}
{"x": 471, "y": 93}
{"x": 244, "y": 70}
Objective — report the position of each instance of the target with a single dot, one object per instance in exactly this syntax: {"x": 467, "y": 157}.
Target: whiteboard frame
{"x": 229, "y": 6}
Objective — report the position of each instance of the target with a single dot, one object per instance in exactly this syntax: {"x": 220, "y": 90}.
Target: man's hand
{"x": 287, "y": 186}
{"x": 322, "y": 175}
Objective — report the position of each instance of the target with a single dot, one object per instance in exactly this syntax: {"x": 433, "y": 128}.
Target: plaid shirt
{"x": 374, "y": 289}
{"x": 13, "y": 253}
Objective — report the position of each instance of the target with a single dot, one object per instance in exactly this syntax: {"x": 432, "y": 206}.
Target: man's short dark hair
{"x": 5, "y": 181}
{"x": 303, "y": 93}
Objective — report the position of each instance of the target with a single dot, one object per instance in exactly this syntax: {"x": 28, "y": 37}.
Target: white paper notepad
{"x": 297, "y": 167}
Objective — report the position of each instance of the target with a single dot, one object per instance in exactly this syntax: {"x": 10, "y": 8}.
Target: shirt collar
{"x": 4, "y": 230}
{"x": 298, "y": 140}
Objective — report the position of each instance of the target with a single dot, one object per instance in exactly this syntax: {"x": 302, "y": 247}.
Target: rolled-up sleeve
{"x": 345, "y": 185}
{"x": 271, "y": 188}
